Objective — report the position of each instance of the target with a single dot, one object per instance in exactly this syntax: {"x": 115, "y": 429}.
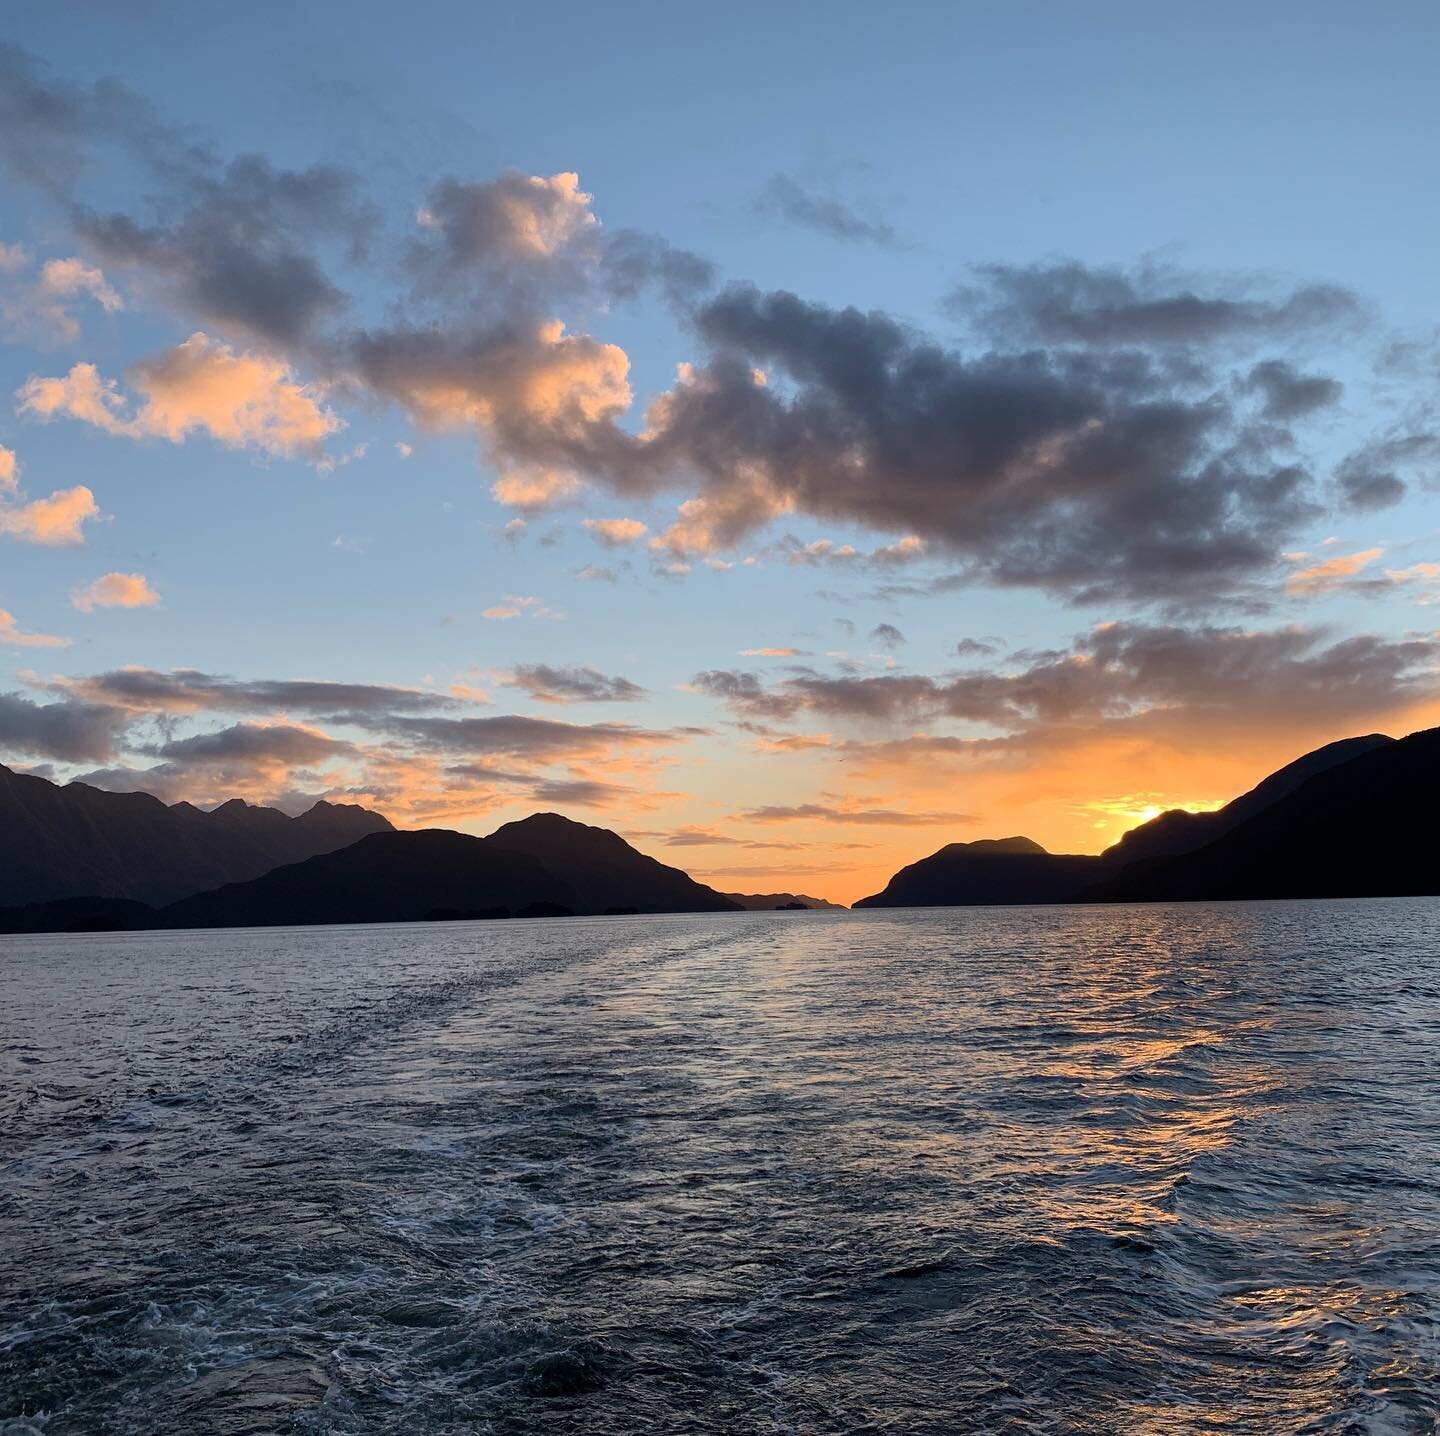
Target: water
{"x": 1137, "y": 1170}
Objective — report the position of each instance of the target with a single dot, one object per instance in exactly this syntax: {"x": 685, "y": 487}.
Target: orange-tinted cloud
{"x": 56, "y": 522}
{"x": 12, "y": 636}
{"x": 534, "y": 488}
{"x": 1329, "y": 574}
{"x": 41, "y": 307}
{"x": 615, "y": 533}
{"x": 202, "y": 385}
{"x": 115, "y": 590}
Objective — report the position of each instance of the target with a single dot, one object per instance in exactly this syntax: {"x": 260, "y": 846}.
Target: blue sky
{"x": 1244, "y": 160}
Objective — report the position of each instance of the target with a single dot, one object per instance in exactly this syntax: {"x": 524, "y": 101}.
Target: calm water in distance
{"x": 1089, "y": 1170}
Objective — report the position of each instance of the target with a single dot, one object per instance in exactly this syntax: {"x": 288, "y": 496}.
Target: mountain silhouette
{"x": 604, "y": 871}
{"x": 989, "y": 870}
{"x": 773, "y": 902}
{"x": 433, "y": 874}
{"x": 1018, "y": 870}
{"x": 78, "y": 841}
{"x": 1179, "y": 831}
{"x": 1363, "y": 828}
{"x": 386, "y": 877}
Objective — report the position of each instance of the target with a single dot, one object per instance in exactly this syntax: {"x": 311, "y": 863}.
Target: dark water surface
{"x": 1150, "y": 1170}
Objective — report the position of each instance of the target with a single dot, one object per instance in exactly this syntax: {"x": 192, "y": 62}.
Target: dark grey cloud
{"x": 1097, "y": 448}
{"x": 1092, "y": 474}
{"x": 783, "y": 197}
{"x": 49, "y": 128}
{"x": 252, "y": 742}
{"x": 976, "y": 648}
{"x": 166, "y": 781}
{"x": 744, "y": 693}
{"x": 887, "y": 636}
{"x": 537, "y": 738}
{"x": 234, "y": 244}
{"x": 70, "y": 730}
{"x": 1123, "y": 672}
{"x": 1375, "y": 475}
{"x": 1287, "y": 393}
{"x": 580, "y": 792}
{"x": 188, "y": 690}
{"x": 633, "y": 262}
{"x": 238, "y": 247}
{"x": 876, "y": 817}
{"x": 547, "y": 684}
{"x": 1067, "y": 302}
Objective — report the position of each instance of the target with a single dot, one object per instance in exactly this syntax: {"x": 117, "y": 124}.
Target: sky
{"x": 795, "y": 437}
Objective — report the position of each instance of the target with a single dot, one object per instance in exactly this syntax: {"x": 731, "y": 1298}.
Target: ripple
{"x": 1151, "y": 1170}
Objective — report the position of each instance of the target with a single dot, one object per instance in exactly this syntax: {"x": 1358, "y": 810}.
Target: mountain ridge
{"x": 74, "y": 840}
{"x": 1004, "y": 871}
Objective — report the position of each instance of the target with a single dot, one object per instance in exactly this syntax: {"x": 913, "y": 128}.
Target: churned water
{"x": 1100, "y": 1170}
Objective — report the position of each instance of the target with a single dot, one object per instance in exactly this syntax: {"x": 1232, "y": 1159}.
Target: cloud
{"x": 769, "y": 652}
{"x": 1329, "y": 574}
{"x": 975, "y": 648}
{"x": 632, "y": 262}
{"x": 1372, "y": 477}
{"x": 239, "y": 252}
{"x": 692, "y": 836}
{"x": 188, "y": 690}
{"x": 615, "y": 533}
{"x": 581, "y": 793}
{"x": 545, "y": 684}
{"x": 70, "y": 731}
{"x": 43, "y": 307}
{"x": 12, "y": 636}
{"x": 528, "y": 737}
{"x": 48, "y": 127}
{"x": 283, "y": 743}
{"x": 1151, "y": 676}
{"x": 55, "y": 522}
{"x": 1424, "y": 577}
{"x": 1289, "y": 394}
{"x": 1148, "y": 304}
{"x": 520, "y": 605}
{"x": 241, "y": 400}
{"x": 886, "y": 635}
{"x": 783, "y": 197}
{"x": 1124, "y": 433}
{"x": 827, "y": 551}
{"x": 515, "y": 217}
{"x": 534, "y": 489}
{"x": 595, "y": 573}
{"x": 9, "y": 471}
{"x": 1087, "y": 473}
{"x": 115, "y": 590}
{"x": 744, "y": 693}
{"x": 876, "y": 817}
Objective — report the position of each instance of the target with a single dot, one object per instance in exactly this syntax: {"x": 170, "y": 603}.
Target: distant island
{"x": 1351, "y": 819}
{"x": 782, "y": 902}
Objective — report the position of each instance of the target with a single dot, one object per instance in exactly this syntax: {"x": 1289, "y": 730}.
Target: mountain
{"x": 1179, "y": 832}
{"x": 604, "y": 871}
{"x": 78, "y": 841}
{"x": 385, "y": 877}
{"x": 1017, "y": 870}
{"x": 79, "y": 915}
{"x": 989, "y": 870}
{"x": 771, "y": 902}
{"x": 1362, "y": 828}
